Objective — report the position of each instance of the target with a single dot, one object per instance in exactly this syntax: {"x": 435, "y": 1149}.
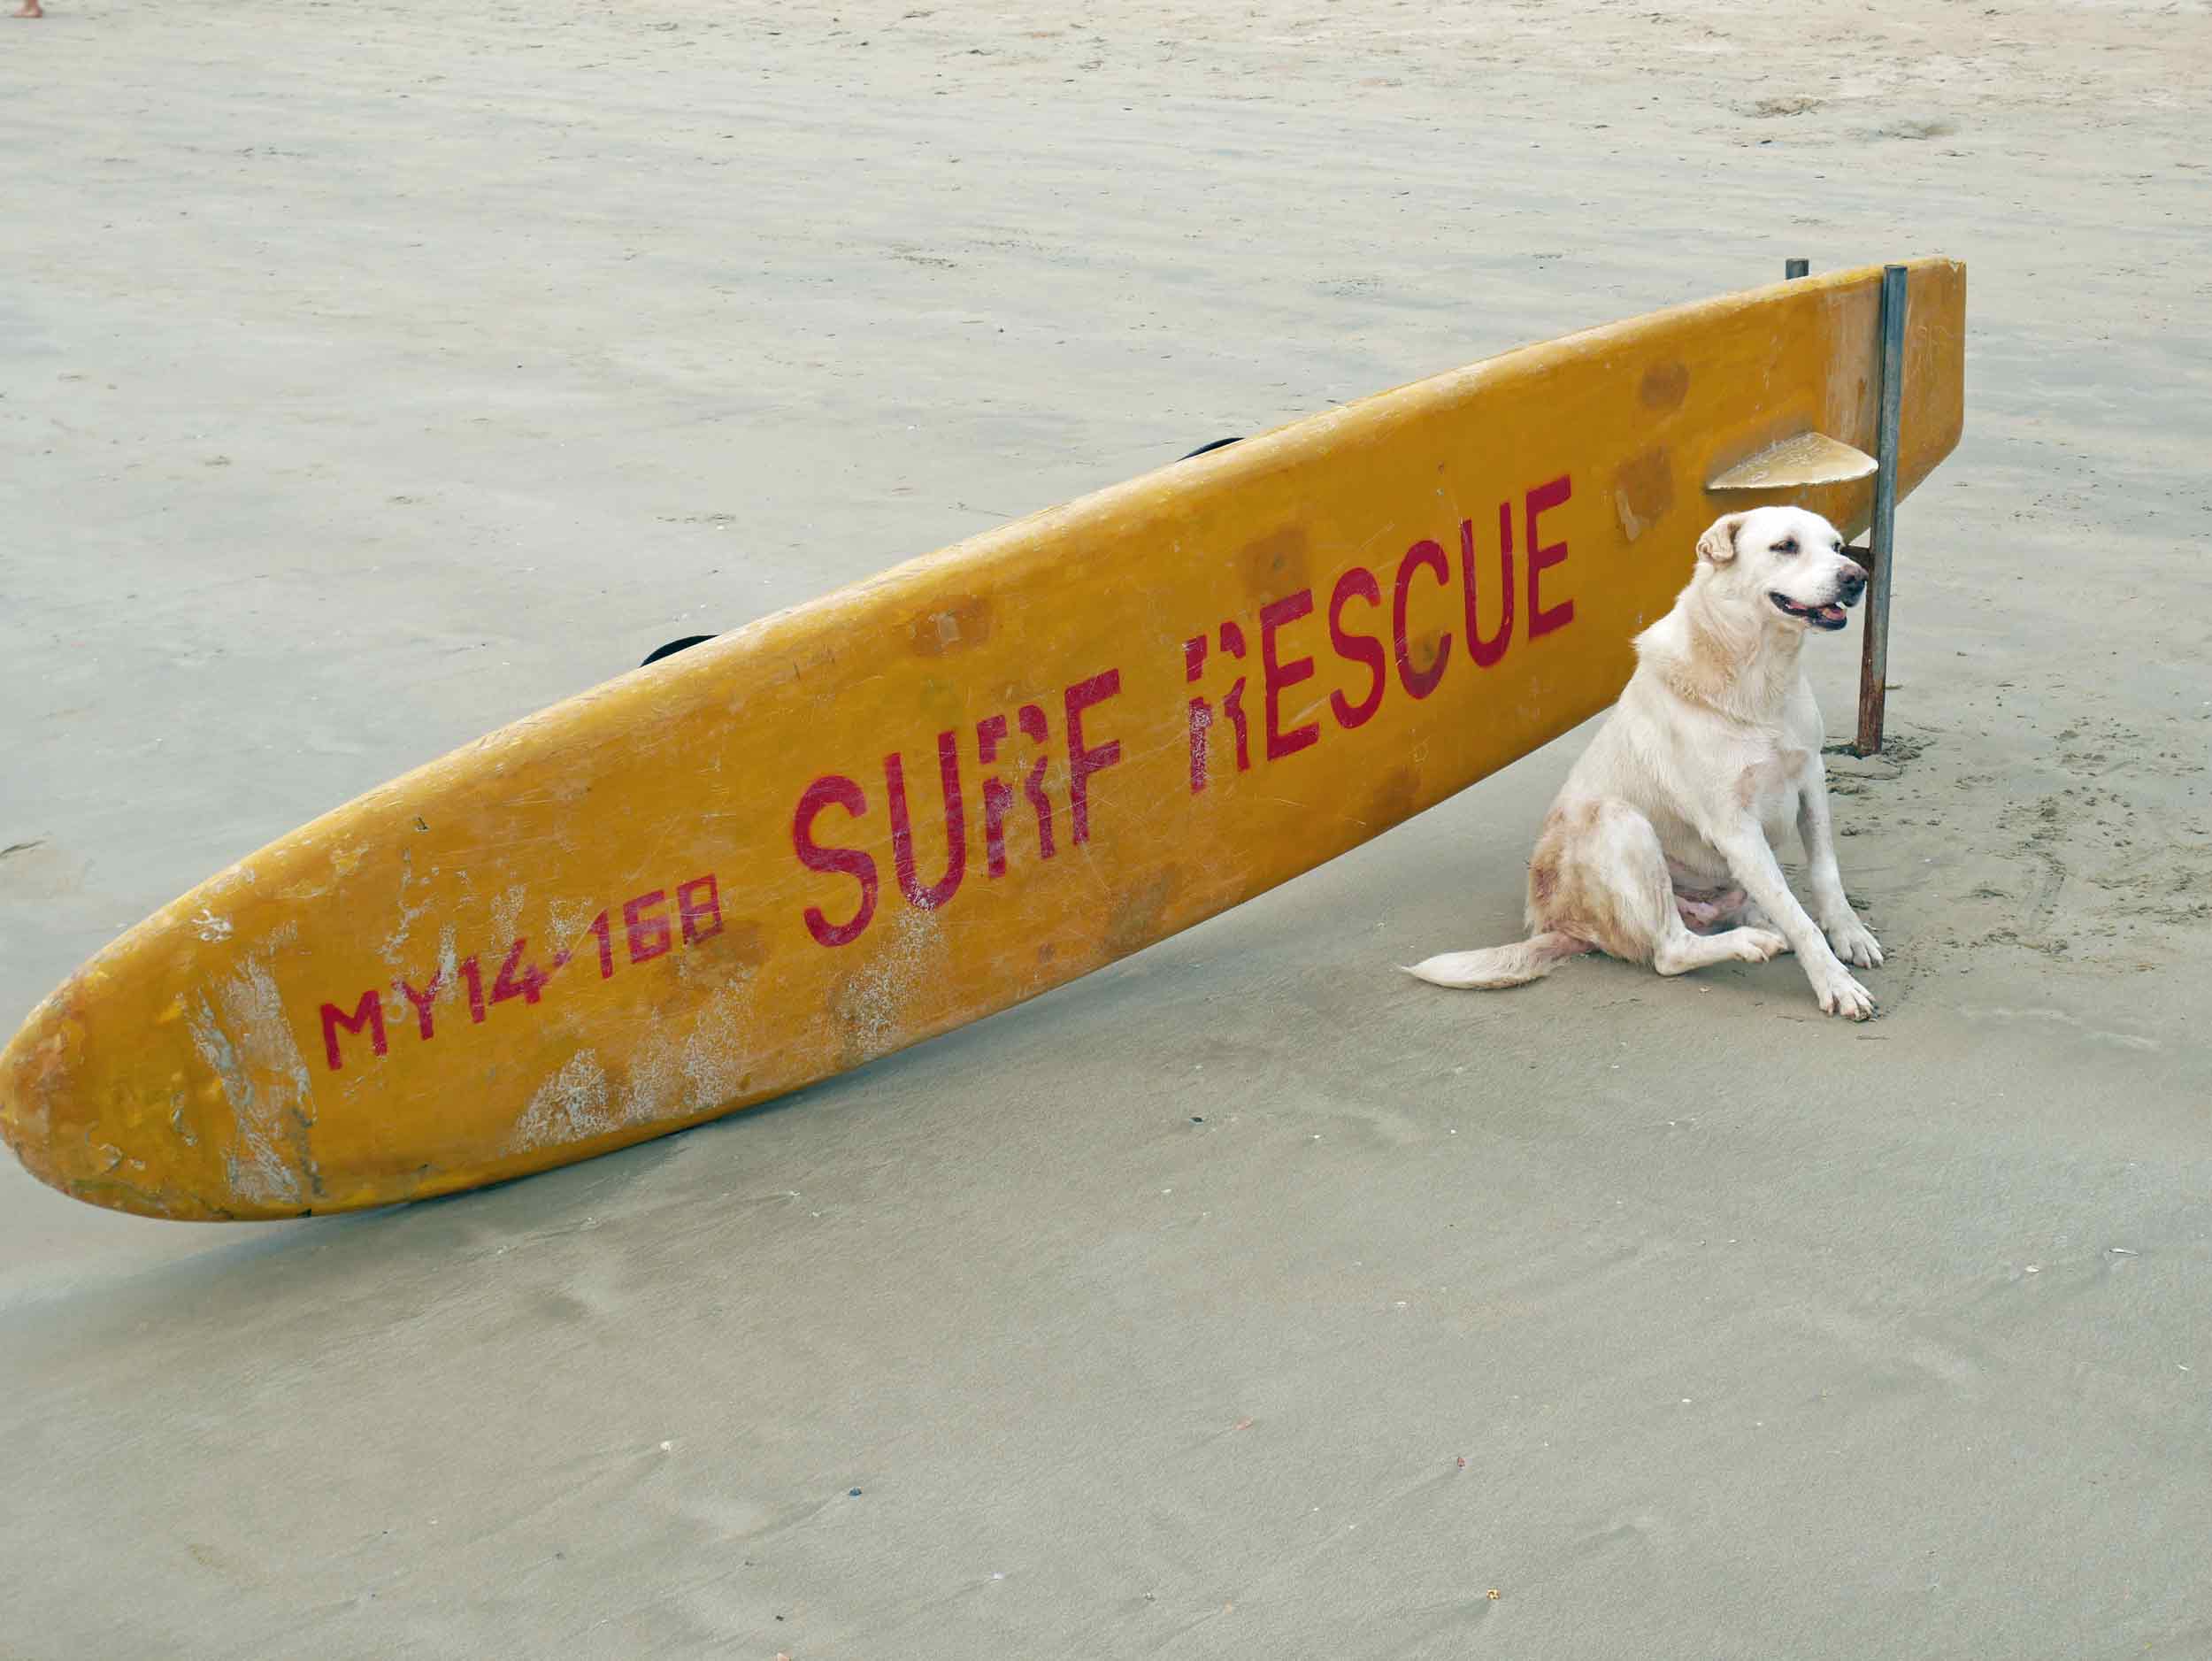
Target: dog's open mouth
{"x": 1818, "y": 616}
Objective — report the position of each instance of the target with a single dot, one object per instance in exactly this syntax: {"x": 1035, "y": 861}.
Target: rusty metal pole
{"x": 1874, "y": 649}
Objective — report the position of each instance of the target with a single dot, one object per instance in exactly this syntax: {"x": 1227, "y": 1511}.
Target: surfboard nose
{"x": 75, "y": 1131}
{"x": 33, "y": 1078}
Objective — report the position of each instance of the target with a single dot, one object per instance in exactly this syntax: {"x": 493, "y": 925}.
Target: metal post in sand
{"x": 1874, "y": 659}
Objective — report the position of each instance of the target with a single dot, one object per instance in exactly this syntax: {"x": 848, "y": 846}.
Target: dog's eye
{"x": 1787, "y": 545}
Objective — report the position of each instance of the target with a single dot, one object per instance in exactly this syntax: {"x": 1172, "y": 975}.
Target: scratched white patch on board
{"x": 211, "y": 927}
{"x": 254, "y": 1009}
{"x": 568, "y": 920}
{"x": 667, "y": 1080}
{"x": 507, "y": 914}
{"x": 262, "y": 1174}
{"x": 220, "y": 885}
{"x": 251, "y": 1000}
{"x": 655, "y": 1083}
{"x": 397, "y": 938}
{"x": 714, "y": 1055}
{"x": 873, "y": 1004}
{"x": 568, "y": 1107}
{"x": 448, "y": 964}
{"x": 249, "y": 1047}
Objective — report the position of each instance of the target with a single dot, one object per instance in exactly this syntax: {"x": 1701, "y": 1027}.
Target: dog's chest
{"x": 1772, "y": 787}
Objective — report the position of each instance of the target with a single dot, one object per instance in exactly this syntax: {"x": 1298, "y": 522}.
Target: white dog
{"x": 1672, "y": 816}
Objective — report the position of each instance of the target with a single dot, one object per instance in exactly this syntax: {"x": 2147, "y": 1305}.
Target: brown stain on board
{"x": 1135, "y": 921}
{"x": 1643, "y": 491}
{"x": 738, "y": 950}
{"x": 1665, "y": 386}
{"x": 744, "y": 944}
{"x": 1394, "y": 798}
{"x": 960, "y": 623}
{"x": 1426, "y": 650}
{"x": 1274, "y": 564}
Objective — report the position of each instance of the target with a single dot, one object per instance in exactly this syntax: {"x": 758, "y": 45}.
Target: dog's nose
{"x": 1852, "y": 581}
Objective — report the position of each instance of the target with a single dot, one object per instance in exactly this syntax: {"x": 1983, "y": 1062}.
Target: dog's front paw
{"x": 1840, "y": 994}
{"x": 1854, "y": 942}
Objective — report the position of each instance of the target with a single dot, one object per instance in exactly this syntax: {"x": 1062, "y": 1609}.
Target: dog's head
{"x": 1787, "y": 563}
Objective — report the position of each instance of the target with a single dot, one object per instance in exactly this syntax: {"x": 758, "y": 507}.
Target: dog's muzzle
{"x": 1850, "y": 585}
{"x": 1828, "y": 617}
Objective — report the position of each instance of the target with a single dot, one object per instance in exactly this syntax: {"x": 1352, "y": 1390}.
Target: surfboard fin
{"x": 1807, "y": 459}
{"x": 1217, "y": 444}
{"x": 675, "y": 646}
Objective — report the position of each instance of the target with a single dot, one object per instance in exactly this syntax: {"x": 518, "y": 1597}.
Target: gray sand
{"x": 370, "y": 377}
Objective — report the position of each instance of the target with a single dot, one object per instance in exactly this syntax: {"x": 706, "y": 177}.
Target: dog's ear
{"x": 1718, "y": 546}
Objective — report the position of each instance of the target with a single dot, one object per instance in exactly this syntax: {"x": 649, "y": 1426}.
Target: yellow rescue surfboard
{"x": 851, "y": 826}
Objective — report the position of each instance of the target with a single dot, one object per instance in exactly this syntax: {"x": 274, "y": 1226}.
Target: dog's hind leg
{"x": 1611, "y": 886}
{"x": 1680, "y": 952}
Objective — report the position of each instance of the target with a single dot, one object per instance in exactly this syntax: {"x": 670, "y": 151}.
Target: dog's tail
{"x": 1515, "y": 965}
